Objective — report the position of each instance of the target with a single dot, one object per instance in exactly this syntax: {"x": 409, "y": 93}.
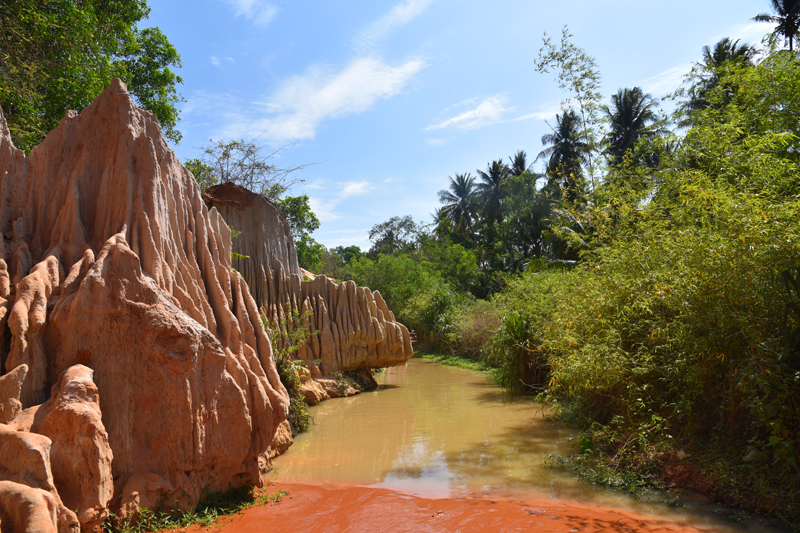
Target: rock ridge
{"x": 117, "y": 292}
{"x": 352, "y": 328}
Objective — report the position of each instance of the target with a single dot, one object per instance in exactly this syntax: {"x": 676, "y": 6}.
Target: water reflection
{"x": 430, "y": 430}
{"x": 438, "y": 431}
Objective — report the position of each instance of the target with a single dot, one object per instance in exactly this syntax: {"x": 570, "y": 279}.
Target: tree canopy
{"x": 57, "y": 55}
{"x": 245, "y": 162}
{"x": 786, "y": 19}
{"x": 717, "y": 62}
{"x": 566, "y": 152}
{"x": 631, "y": 116}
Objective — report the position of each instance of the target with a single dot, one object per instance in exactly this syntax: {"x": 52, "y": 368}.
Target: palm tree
{"x": 707, "y": 74}
{"x": 527, "y": 218}
{"x": 566, "y": 154}
{"x": 787, "y": 18}
{"x": 519, "y": 163}
{"x": 459, "y": 202}
{"x": 631, "y": 116}
{"x": 491, "y": 190}
{"x": 726, "y": 50}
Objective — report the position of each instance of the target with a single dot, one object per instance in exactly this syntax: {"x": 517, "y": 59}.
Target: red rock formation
{"x": 23, "y": 508}
{"x": 110, "y": 259}
{"x": 10, "y": 392}
{"x": 356, "y": 329}
{"x": 80, "y": 456}
{"x": 25, "y": 459}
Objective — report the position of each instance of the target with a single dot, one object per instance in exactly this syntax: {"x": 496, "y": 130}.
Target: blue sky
{"x": 392, "y": 97}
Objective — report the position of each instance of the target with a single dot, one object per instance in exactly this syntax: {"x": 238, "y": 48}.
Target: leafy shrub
{"x": 475, "y": 324}
{"x": 397, "y": 277}
{"x": 286, "y": 339}
{"x": 416, "y": 294}
{"x": 516, "y": 350}
{"x": 681, "y": 337}
{"x": 434, "y": 314}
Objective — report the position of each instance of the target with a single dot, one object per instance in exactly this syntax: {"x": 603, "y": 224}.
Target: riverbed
{"x": 440, "y": 432}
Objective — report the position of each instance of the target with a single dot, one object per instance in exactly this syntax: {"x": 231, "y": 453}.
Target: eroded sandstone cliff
{"x": 116, "y": 286}
{"x": 354, "y": 328}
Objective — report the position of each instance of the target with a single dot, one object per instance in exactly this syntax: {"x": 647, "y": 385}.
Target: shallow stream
{"x": 438, "y": 431}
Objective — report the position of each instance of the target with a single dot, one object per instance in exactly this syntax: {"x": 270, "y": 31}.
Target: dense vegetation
{"x": 57, "y": 55}
{"x": 645, "y": 283}
{"x": 660, "y": 308}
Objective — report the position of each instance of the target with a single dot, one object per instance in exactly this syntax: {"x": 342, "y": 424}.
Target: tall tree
{"x": 398, "y": 234}
{"x": 566, "y": 153}
{"x": 727, "y": 50}
{"x": 302, "y": 223}
{"x": 246, "y": 163}
{"x": 576, "y": 73}
{"x": 527, "y": 217}
{"x": 491, "y": 190}
{"x": 459, "y": 203}
{"x": 519, "y": 163}
{"x": 786, "y": 19}
{"x": 631, "y": 116}
{"x": 57, "y": 55}
{"x": 706, "y": 74}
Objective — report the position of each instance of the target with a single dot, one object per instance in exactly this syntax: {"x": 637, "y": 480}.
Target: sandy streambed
{"x": 333, "y": 508}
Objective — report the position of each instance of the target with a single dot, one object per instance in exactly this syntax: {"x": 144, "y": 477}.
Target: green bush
{"x": 414, "y": 291}
{"x": 286, "y": 339}
{"x": 397, "y": 277}
{"x": 433, "y": 314}
{"x": 475, "y": 324}
{"x": 682, "y": 339}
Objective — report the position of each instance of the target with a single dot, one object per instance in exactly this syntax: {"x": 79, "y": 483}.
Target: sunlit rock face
{"x": 356, "y": 330}
{"x": 110, "y": 259}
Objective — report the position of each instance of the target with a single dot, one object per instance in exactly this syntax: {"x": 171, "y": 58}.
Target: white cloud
{"x": 204, "y": 103}
{"x": 434, "y": 141}
{"x": 265, "y": 15}
{"x": 354, "y": 188}
{"x": 539, "y": 115}
{"x": 667, "y": 81}
{"x": 303, "y": 102}
{"x": 546, "y": 111}
{"x": 299, "y": 105}
{"x": 325, "y": 209}
{"x": 359, "y": 237}
{"x": 217, "y": 62}
{"x": 488, "y": 112}
{"x": 388, "y": 180}
{"x": 399, "y": 15}
{"x": 258, "y": 11}
{"x": 316, "y": 184}
{"x": 751, "y": 33}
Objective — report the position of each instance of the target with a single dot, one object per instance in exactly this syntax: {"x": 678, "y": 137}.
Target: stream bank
{"x": 441, "y": 432}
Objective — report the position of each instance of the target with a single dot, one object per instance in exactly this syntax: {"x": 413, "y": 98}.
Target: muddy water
{"x": 437, "y": 431}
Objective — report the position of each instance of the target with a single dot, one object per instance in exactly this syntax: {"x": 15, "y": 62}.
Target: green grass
{"x": 212, "y": 507}
{"x": 456, "y": 360}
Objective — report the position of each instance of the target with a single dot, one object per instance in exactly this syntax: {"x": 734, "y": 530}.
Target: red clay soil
{"x": 340, "y": 508}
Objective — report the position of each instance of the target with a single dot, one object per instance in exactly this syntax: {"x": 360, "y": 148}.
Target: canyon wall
{"x": 351, "y": 327}
{"x": 148, "y": 376}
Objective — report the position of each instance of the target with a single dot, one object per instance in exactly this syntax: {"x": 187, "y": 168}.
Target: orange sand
{"x": 341, "y": 508}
